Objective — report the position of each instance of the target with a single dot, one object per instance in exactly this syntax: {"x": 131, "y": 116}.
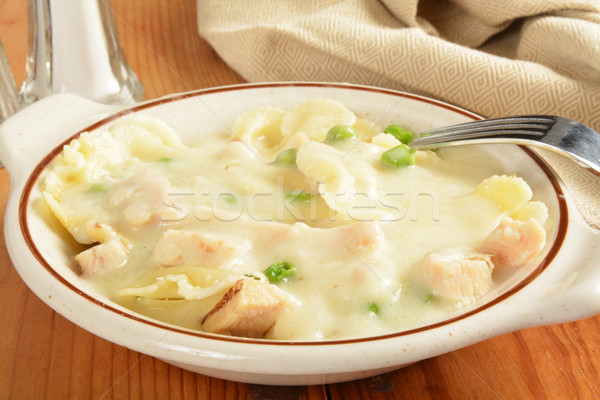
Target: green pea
{"x": 165, "y": 160}
{"x": 374, "y": 309}
{"x": 280, "y": 271}
{"x": 299, "y": 196}
{"x": 399, "y": 156}
{"x": 228, "y": 198}
{"x": 402, "y": 134}
{"x": 340, "y": 132}
{"x": 98, "y": 188}
{"x": 286, "y": 157}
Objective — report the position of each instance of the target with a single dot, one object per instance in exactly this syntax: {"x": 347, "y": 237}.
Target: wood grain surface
{"x": 44, "y": 356}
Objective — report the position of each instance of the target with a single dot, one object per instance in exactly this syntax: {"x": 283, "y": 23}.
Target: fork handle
{"x": 577, "y": 141}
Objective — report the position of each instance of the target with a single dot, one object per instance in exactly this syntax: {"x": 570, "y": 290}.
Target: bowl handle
{"x": 564, "y": 293}
{"x": 29, "y": 135}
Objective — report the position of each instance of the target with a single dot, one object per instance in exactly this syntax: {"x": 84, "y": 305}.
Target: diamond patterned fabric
{"x": 495, "y": 58}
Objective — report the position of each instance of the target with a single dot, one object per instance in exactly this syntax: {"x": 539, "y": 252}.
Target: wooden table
{"x": 42, "y": 355}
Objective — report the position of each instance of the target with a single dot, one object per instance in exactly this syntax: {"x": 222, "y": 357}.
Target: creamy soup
{"x": 300, "y": 224}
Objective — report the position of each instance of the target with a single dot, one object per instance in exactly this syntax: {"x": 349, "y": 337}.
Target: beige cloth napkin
{"x": 495, "y": 58}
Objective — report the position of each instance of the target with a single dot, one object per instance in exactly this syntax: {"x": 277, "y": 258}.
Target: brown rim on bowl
{"x": 33, "y": 178}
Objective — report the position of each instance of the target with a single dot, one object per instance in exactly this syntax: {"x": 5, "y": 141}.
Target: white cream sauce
{"x": 343, "y": 287}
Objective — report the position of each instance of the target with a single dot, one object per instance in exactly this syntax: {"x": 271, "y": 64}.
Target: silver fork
{"x": 561, "y": 135}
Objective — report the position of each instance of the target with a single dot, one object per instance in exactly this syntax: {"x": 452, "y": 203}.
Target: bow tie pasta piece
{"x": 347, "y": 181}
{"x": 513, "y": 197}
{"x": 269, "y": 130}
{"x": 77, "y": 183}
{"x": 532, "y": 209}
{"x": 508, "y": 192}
{"x": 91, "y": 158}
{"x": 323, "y": 165}
{"x": 314, "y": 118}
{"x": 259, "y": 129}
{"x": 183, "y": 282}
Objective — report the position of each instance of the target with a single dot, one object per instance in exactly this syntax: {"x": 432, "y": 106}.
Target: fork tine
{"x": 531, "y": 123}
{"x": 526, "y": 126}
{"x": 499, "y": 128}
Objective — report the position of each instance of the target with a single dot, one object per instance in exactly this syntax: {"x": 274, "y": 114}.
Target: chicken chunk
{"x": 457, "y": 274}
{"x": 185, "y": 247}
{"x": 248, "y": 309}
{"x": 100, "y": 232}
{"x": 147, "y": 198}
{"x": 362, "y": 237}
{"x": 515, "y": 243}
{"x": 102, "y": 258}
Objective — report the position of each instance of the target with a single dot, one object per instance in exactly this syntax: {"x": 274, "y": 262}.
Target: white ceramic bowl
{"x": 565, "y": 286}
